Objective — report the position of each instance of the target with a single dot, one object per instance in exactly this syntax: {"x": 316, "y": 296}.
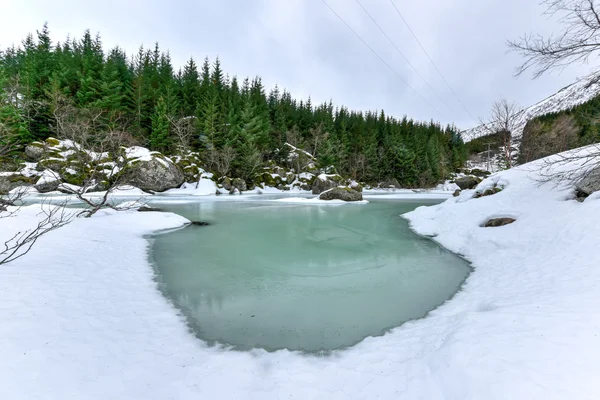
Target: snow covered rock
{"x": 325, "y": 182}
{"x": 467, "y": 182}
{"x": 590, "y": 182}
{"x": 341, "y": 193}
{"x": 154, "y": 175}
{"x": 48, "y": 182}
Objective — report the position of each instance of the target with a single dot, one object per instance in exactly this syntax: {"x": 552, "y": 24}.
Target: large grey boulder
{"x": 48, "y": 186}
{"x": 590, "y": 183}
{"x": 325, "y": 182}
{"x": 467, "y": 182}
{"x": 8, "y": 183}
{"x": 156, "y": 175}
{"x": 35, "y": 152}
{"x": 238, "y": 184}
{"x": 341, "y": 193}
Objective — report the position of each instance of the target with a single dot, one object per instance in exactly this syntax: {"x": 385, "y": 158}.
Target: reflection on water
{"x": 310, "y": 278}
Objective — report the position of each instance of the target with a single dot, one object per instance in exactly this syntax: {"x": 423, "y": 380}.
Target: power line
{"x": 380, "y": 58}
{"x": 402, "y": 54}
{"x": 430, "y": 60}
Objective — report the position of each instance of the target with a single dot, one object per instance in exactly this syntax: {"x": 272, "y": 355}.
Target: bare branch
{"x": 580, "y": 38}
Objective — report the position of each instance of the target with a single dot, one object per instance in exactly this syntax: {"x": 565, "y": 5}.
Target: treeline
{"x": 199, "y": 107}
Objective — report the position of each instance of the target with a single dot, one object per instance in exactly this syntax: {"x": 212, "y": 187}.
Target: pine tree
{"x": 159, "y": 138}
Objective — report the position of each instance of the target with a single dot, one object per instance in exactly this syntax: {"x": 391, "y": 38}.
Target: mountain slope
{"x": 570, "y": 96}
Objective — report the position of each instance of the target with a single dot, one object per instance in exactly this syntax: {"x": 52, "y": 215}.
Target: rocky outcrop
{"x": 155, "y": 175}
{"x": 590, "y": 183}
{"x": 341, "y": 193}
{"x": 467, "y": 182}
{"x": 325, "y": 182}
{"x": 494, "y": 222}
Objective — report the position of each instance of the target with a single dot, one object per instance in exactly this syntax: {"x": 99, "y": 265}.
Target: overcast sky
{"x": 303, "y": 47}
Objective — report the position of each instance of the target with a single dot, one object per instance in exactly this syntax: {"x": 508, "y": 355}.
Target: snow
{"x": 124, "y": 190}
{"x": 136, "y": 153}
{"x": 81, "y": 316}
{"x": 568, "y": 97}
{"x": 295, "y": 151}
{"x": 48, "y": 176}
{"x": 204, "y": 187}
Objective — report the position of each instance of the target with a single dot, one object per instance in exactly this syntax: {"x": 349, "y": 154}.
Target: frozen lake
{"x": 271, "y": 275}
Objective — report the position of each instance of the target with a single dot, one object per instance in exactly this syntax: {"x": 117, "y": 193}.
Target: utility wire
{"x": 380, "y": 58}
{"x": 402, "y": 54}
{"x": 432, "y": 62}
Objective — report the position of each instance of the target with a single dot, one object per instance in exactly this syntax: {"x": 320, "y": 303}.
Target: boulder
{"x": 238, "y": 184}
{"x": 390, "y": 183}
{"x": 47, "y": 186}
{"x": 341, "y": 193}
{"x": 35, "y": 152}
{"x": 226, "y": 183}
{"x": 480, "y": 172}
{"x": 10, "y": 182}
{"x": 467, "y": 182}
{"x": 456, "y": 193}
{"x": 590, "y": 183}
{"x": 499, "y": 222}
{"x": 325, "y": 182}
{"x": 145, "y": 208}
{"x": 356, "y": 186}
{"x": 155, "y": 175}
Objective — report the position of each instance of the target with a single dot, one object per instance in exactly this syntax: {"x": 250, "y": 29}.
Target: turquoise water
{"x": 301, "y": 277}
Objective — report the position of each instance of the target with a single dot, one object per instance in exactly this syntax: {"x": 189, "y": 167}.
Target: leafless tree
{"x": 580, "y": 38}
{"x": 184, "y": 129}
{"x": 503, "y": 120}
{"x": 97, "y": 153}
{"x": 20, "y": 243}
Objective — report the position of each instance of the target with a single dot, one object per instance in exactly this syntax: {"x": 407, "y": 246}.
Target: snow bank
{"x": 80, "y": 316}
{"x": 204, "y": 187}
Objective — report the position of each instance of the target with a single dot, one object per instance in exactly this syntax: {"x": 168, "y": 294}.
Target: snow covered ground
{"x": 81, "y": 317}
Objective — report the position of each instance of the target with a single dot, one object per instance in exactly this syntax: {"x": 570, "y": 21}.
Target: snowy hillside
{"x": 577, "y": 93}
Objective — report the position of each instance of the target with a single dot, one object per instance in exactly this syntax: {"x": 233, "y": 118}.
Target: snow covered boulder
{"x": 467, "y": 182}
{"x": 325, "y": 182}
{"x": 590, "y": 183}
{"x": 48, "y": 182}
{"x": 341, "y": 193}
{"x": 154, "y": 175}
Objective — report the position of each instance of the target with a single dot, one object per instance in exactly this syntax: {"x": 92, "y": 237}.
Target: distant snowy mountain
{"x": 577, "y": 93}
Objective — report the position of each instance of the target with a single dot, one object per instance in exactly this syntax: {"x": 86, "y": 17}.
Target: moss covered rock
{"x": 156, "y": 175}
{"x": 341, "y": 193}
{"x": 325, "y": 182}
